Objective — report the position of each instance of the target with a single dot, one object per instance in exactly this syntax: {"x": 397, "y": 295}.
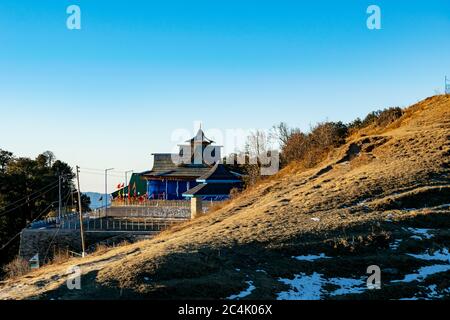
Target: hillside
{"x": 382, "y": 199}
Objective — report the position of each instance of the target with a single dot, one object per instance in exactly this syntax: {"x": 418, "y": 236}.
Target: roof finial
{"x": 200, "y": 126}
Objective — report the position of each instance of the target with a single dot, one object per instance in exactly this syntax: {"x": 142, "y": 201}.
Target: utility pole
{"x": 106, "y": 190}
{"x": 126, "y": 182}
{"x": 59, "y": 197}
{"x": 447, "y": 85}
{"x": 83, "y": 253}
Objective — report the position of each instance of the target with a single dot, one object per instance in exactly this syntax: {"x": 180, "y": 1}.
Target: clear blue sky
{"x": 112, "y": 93}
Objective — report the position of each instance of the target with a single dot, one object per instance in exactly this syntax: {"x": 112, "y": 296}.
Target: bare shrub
{"x": 381, "y": 117}
{"x": 328, "y": 135}
{"x": 234, "y": 193}
{"x": 295, "y": 147}
{"x": 16, "y": 268}
{"x": 252, "y": 174}
{"x": 218, "y": 205}
{"x": 310, "y": 149}
{"x": 60, "y": 256}
{"x": 389, "y": 115}
{"x": 101, "y": 248}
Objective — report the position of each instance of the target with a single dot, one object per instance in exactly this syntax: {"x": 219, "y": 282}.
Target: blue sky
{"x": 112, "y": 93}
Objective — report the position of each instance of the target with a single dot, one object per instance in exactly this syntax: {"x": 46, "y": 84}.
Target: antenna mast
{"x": 447, "y": 85}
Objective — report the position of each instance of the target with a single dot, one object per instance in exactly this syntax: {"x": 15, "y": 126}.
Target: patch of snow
{"x": 442, "y": 255}
{"x": 146, "y": 278}
{"x": 416, "y": 237}
{"x": 303, "y": 287}
{"x": 311, "y": 257}
{"x": 424, "y": 272}
{"x": 433, "y": 293}
{"x": 395, "y": 244}
{"x": 315, "y": 219}
{"x": 421, "y": 233}
{"x": 244, "y": 293}
{"x": 348, "y": 285}
{"x": 310, "y": 287}
{"x": 260, "y": 270}
{"x": 238, "y": 270}
{"x": 361, "y": 203}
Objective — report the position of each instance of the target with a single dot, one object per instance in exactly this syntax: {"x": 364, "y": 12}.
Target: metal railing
{"x": 150, "y": 203}
{"x": 148, "y": 225}
{"x": 162, "y": 203}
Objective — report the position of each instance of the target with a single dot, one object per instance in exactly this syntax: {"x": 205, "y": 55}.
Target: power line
{"x": 39, "y": 215}
{"x": 28, "y": 201}
{"x": 100, "y": 170}
{"x": 27, "y": 196}
{"x": 102, "y": 174}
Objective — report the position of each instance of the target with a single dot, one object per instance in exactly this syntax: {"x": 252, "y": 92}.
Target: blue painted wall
{"x": 156, "y": 189}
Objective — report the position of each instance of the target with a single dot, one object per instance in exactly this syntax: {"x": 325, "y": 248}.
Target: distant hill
{"x": 95, "y": 199}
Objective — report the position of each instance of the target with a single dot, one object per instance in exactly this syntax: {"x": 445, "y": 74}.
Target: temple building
{"x": 194, "y": 171}
{"x": 216, "y": 184}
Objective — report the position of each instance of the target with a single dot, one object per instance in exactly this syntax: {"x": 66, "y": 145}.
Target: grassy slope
{"x": 361, "y": 195}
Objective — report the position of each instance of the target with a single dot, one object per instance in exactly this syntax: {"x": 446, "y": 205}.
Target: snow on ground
{"x": 442, "y": 255}
{"x": 311, "y": 257}
{"x": 432, "y": 294}
{"x": 395, "y": 244}
{"x": 244, "y": 293}
{"x": 348, "y": 285}
{"x": 424, "y": 272}
{"x": 310, "y": 287}
{"x": 303, "y": 287}
{"x": 419, "y": 233}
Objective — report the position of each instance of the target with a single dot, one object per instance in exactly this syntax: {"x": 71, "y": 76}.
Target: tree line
{"x": 308, "y": 149}
{"x": 29, "y": 190}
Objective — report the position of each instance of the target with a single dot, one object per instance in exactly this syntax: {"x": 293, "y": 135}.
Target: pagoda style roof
{"x": 219, "y": 174}
{"x": 210, "y": 189}
{"x": 164, "y": 167}
{"x": 200, "y": 137}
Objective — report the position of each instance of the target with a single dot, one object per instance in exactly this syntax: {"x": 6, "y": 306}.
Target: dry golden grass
{"x": 268, "y": 223}
{"x": 16, "y": 268}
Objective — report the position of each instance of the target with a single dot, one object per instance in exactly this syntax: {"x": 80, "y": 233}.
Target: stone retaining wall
{"x": 47, "y": 241}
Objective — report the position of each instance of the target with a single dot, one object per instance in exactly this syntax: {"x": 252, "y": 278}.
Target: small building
{"x": 216, "y": 184}
{"x": 173, "y": 175}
